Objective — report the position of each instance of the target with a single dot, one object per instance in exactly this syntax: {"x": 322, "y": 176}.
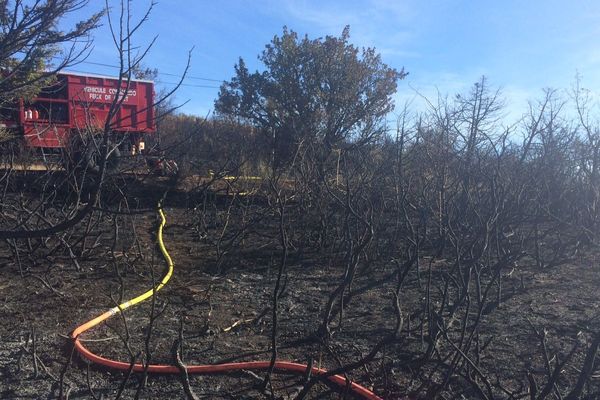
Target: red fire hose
{"x": 283, "y": 366}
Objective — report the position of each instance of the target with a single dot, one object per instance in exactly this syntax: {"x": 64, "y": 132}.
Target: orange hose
{"x": 340, "y": 380}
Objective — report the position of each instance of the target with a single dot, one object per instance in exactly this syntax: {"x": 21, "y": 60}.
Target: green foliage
{"x": 30, "y": 40}
{"x": 318, "y": 91}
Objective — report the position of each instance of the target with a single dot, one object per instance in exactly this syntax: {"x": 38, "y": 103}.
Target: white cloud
{"x": 373, "y": 23}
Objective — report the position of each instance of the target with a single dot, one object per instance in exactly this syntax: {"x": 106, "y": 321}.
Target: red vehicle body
{"x": 77, "y": 103}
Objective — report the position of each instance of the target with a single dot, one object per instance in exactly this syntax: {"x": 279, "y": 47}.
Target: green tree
{"x": 33, "y": 48}
{"x": 312, "y": 91}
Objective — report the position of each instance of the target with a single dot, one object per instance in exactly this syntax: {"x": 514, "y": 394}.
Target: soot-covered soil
{"x": 223, "y": 304}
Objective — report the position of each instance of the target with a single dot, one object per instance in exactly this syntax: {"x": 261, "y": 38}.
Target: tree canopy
{"x": 33, "y": 48}
{"x": 324, "y": 91}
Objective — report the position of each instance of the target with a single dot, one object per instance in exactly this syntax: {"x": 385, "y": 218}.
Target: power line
{"x": 199, "y": 78}
{"x": 159, "y": 73}
{"x": 188, "y": 85}
{"x": 159, "y": 81}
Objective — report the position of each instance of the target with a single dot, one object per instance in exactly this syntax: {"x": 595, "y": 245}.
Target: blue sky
{"x": 445, "y": 45}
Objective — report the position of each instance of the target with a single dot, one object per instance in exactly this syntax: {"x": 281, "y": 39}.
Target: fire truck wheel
{"x": 92, "y": 158}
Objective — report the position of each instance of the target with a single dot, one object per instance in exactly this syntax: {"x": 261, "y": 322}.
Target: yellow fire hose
{"x": 194, "y": 369}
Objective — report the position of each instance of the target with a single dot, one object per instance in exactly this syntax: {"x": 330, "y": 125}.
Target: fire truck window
{"x": 53, "y": 112}
{"x": 56, "y": 91}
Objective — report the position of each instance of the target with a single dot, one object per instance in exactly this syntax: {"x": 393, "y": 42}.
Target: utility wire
{"x": 158, "y": 81}
{"x": 199, "y": 78}
{"x": 188, "y": 85}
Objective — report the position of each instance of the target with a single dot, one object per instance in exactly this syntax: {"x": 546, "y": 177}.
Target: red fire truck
{"x": 79, "y": 104}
